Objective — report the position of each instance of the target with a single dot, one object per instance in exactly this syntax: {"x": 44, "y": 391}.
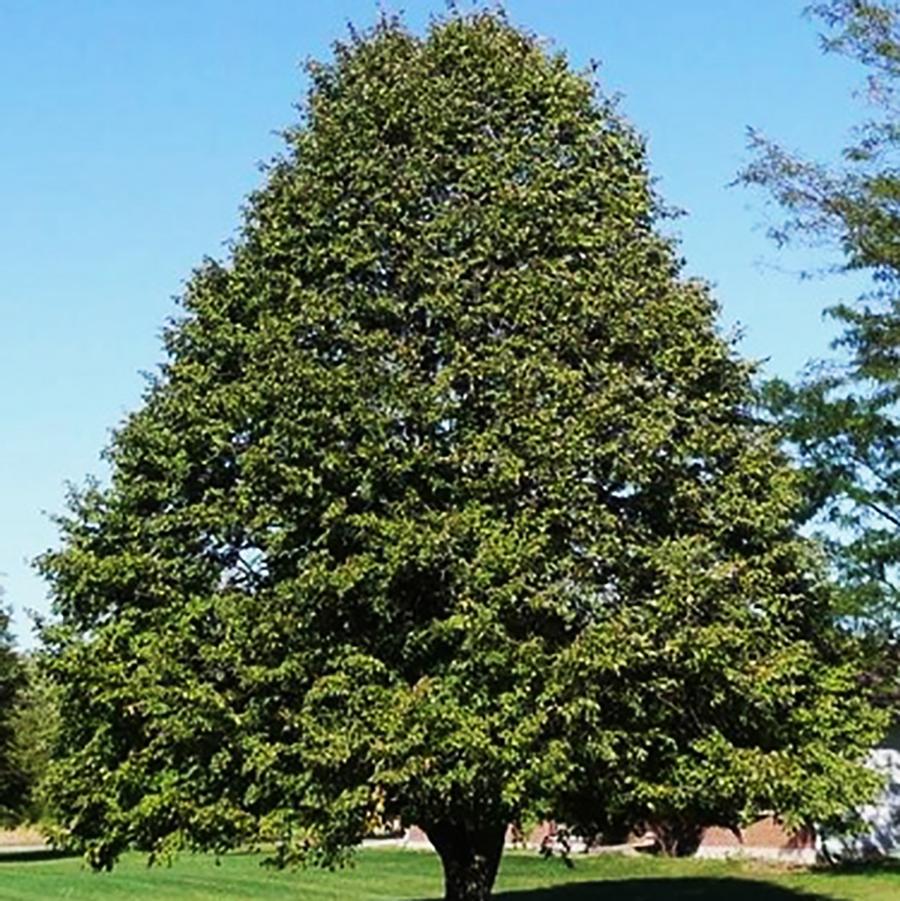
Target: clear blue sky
{"x": 131, "y": 131}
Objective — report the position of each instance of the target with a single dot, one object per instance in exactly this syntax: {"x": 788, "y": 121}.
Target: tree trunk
{"x": 678, "y": 838}
{"x": 470, "y": 857}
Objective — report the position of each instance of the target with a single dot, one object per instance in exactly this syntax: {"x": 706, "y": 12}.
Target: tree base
{"x": 470, "y": 857}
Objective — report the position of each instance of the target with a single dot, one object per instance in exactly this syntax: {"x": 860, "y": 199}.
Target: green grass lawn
{"x": 415, "y": 876}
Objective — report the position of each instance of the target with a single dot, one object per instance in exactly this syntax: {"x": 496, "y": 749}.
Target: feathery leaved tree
{"x": 447, "y": 507}
{"x": 842, "y": 418}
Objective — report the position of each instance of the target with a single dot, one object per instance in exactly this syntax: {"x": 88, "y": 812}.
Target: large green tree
{"x": 843, "y": 418}
{"x": 447, "y": 506}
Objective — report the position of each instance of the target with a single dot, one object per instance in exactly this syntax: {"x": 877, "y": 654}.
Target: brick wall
{"x": 767, "y": 838}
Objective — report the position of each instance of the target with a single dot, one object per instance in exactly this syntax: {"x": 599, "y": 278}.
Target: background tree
{"x": 842, "y": 419}
{"x": 14, "y": 785}
{"x": 35, "y": 721}
{"x": 446, "y": 507}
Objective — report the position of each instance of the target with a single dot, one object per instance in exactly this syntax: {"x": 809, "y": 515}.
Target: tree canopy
{"x": 448, "y": 506}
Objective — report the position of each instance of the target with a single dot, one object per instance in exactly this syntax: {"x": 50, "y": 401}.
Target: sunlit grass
{"x": 401, "y": 875}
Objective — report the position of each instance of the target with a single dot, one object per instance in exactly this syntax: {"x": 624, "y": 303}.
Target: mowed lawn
{"x": 415, "y": 876}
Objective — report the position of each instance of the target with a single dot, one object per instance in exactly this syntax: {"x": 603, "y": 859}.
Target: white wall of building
{"x": 882, "y": 818}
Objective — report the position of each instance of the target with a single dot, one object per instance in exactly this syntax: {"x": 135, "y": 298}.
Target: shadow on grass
{"x": 660, "y": 889}
{"x": 29, "y": 855}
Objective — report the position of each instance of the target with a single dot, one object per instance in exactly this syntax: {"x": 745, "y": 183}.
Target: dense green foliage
{"x": 446, "y": 507}
{"x": 843, "y": 418}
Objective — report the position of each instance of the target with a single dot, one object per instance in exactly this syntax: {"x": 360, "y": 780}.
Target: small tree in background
{"x": 446, "y": 507}
{"x": 14, "y": 784}
{"x": 34, "y": 722}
